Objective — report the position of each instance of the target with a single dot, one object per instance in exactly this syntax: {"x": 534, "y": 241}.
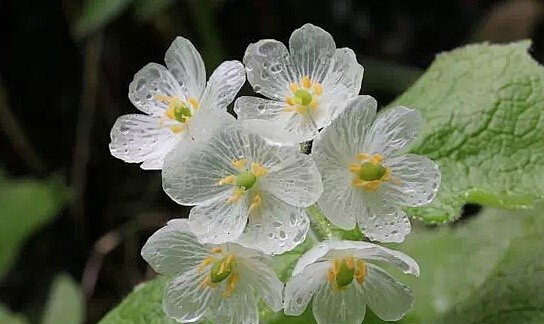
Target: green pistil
{"x": 345, "y": 275}
{"x": 302, "y": 97}
{"x": 246, "y": 179}
{"x": 220, "y": 270}
{"x": 182, "y": 113}
{"x": 371, "y": 171}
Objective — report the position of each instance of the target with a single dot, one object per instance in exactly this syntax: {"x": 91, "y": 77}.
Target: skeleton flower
{"x": 239, "y": 178}
{"x": 178, "y": 105}
{"x": 218, "y": 282}
{"x": 365, "y": 179}
{"x": 342, "y": 281}
{"x": 306, "y": 85}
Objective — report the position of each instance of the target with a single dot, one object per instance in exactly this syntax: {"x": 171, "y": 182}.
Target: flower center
{"x": 304, "y": 96}
{"x": 221, "y": 270}
{"x": 246, "y": 179}
{"x": 178, "y": 112}
{"x": 343, "y": 271}
{"x": 369, "y": 172}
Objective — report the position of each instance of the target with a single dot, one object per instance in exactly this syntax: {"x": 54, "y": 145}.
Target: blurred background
{"x": 68, "y": 207}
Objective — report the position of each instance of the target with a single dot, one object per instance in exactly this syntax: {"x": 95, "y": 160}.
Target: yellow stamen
{"x": 169, "y": 112}
{"x": 239, "y": 164}
{"x": 317, "y": 89}
{"x": 297, "y": 109}
{"x": 164, "y": 99}
{"x": 231, "y": 284}
{"x": 350, "y": 262}
{"x": 256, "y": 203}
{"x": 205, "y": 262}
{"x": 354, "y": 168}
{"x": 313, "y": 104}
{"x": 176, "y": 128}
{"x": 360, "y": 272}
{"x": 289, "y": 101}
{"x": 306, "y": 82}
{"x": 193, "y": 102}
{"x": 216, "y": 250}
{"x": 227, "y": 180}
{"x": 258, "y": 170}
{"x": 237, "y": 193}
{"x": 293, "y": 87}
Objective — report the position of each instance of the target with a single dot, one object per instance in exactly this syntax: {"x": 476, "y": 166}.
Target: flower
{"x": 365, "y": 178}
{"x": 218, "y": 282}
{"x": 342, "y": 281}
{"x": 239, "y": 177}
{"x": 306, "y": 85}
{"x": 178, "y": 104}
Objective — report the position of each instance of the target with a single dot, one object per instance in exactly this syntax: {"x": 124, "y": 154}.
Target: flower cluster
{"x": 249, "y": 181}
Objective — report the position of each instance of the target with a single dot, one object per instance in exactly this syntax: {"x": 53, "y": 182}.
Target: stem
{"x": 324, "y": 230}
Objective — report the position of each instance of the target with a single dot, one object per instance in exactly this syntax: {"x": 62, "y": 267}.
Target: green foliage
{"x": 7, "y": 317}
{"x": 483, "y": 107}
{"x": 146, "y": 9}
{"x": 65, "y": 302}
{"x": 97, "y": 13}
{"x": 26, "y": 205}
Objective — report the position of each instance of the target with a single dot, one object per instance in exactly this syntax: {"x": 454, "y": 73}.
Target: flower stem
{"x": 324, "y": 230}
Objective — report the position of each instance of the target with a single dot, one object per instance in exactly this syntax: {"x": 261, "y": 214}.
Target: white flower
{"x": 240, "y": 178}
{"x": 306, "y": 85}
{"x": 179, "y": 106}
{"x": 218, "y": 282}
{"x": 343, "y": 282}
{"x": 365, "y": 179}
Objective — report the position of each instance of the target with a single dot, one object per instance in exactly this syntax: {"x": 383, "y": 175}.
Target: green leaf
{"x": 146, "y": 9}
{"x": 65, "y": 302}
{"x": 512, "y": 293}
{"x": 142, "y": 306}
{"x": 26, "y": 205}
{"x": 483, "y": 107}
{"x": 7, "y": 317}
{"x": 98, "y": 13}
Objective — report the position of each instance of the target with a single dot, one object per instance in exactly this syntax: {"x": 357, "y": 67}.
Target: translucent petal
{"x": 173, "y": 249}
{"x": 370, "y": 251}
{"x": 185, "y": 63}
{"x": 263, "y": 281}
{"x": 139, "y": 138}
{"x": 387, "y": 298}
{"x": 393, "y": 130}
{"x": 311, "y": 256}
{"x": 239, "y": 308}
{"x": 219, "y": 221}
{"x": 338, "y": 144}
{"x": 346, "y": 306}
{"x": 223, "y": 85}
{"x": 381, "y": 221}
{"x": 273, "y": 111}
{"x": 207, "y": 122}
{"x": 301, "y": 287}
{"x": 345, "y": 75}
{"x": 415, "y": 180}
{"x": 153, "y": 81}
{"x": 271, "y": 131}
{"x": 269, "y": 68}
{"x": 312, "y": 50}
{"x": 292, "y": 177}
{"x": 338, "y": 197}
{"x": 184, "y": 300}
{"x": 276, "y": 227}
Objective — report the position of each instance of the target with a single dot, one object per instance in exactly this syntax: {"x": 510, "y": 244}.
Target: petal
{"x": 311, "y": 256}
{"x": 207, "y": 122}
{"x": 300, "y": 288}
{"x": 271, "y": 131}
{"x": 387, "y": 298}
{"x": 275, "y": 227}
{"x": 151, "y": 81}
{"x": 174, "y": 249}
{"x": 346, "y": 306}
{"x": 185, "y": 63}
{"x": 345, "y": 75}
{"x": 264, "y": 282}
{"x": 312, "y": 50}
{"x": 223, "y": 85}
{"x": 219, "y": 221}
{"x": 415, "y": 180}
{"x": 239, "y": 308}
{"x": 393, "y": 130}
{"x": 269, "y": 68}
{"x": 274, "y": 111}
{"x": 339, "y": 199}
{"x": 292, "y": 177}
{"x": 380, "y": 221}
{"x": 184, "y": 300}
{"x": 137, "y": 138}
{"x": 370, "y": 251}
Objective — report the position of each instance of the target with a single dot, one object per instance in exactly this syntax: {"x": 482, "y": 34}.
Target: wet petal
{"x": 275, "y": 227}
{"x": 393, "y": 130}
{"x": 239, "y": 308}
{"x": 271, "y": 131}
{"x": 312, "y": 50}
{"x": 223, "y": 85}
{"x": 207, "y": 122}
{"x": 153, "y": 81}
{"x": 311, "y": 256}
{"x": 387, "y": 298}
{"x": 269, "y": 68}
{"x": 219, "y": 221}
{"x": 345, "y": 75}
{"x": 185, "y": 63}
{"x": 346, "y": 306}
{"x": 415, "y": 180}
{"x": 300, "y": 288}
{"x": 264, "y": 282}
{"x": 174, "y": 249}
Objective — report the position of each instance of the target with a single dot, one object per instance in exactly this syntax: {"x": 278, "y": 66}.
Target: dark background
{"x": 62, "y": 87}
